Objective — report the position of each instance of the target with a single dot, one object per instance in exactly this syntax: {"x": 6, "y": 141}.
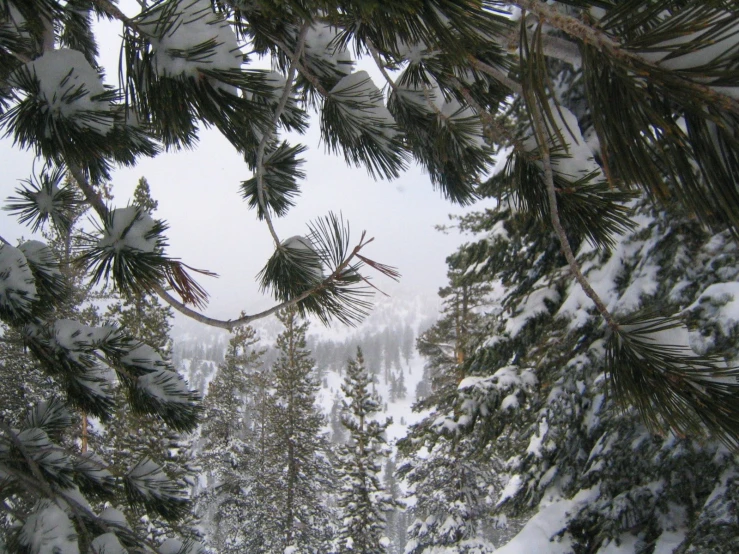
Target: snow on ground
{"x": 536, "y": 535}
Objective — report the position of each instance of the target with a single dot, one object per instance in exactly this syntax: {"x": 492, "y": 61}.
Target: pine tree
{"x": 136, "y": 437}
{"x": 396, "y": 518}
{"x": 573, "y": 467}
{"x": 229, "y": 452}
{"x": 441, "y": 454}
{"x": 296, "y": 465}
{"x": 363, "y": 500}
{"x": 448, "y": 342}
{"x": 656, "y": 98}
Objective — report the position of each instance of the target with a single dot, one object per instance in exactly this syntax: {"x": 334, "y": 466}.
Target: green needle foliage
{"x": 667, "y": 381}
{"x": 640, "y": 94}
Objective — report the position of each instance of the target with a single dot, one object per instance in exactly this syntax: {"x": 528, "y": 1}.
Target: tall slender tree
{"x": 297, "y": 465}
{"x": 363, "y": 500}
{"x": 229, "y": 447}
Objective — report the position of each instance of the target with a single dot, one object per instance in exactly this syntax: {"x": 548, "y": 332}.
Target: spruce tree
{"x": 229, "y": 452}
{"x": 297, "y": 467}
{"x": 363, "y": 500}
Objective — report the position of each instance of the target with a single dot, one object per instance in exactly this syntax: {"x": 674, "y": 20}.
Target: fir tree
{"x": 296, "y": 465}
{"x": 362, "y": 499}
{"x": 230, "y": 445}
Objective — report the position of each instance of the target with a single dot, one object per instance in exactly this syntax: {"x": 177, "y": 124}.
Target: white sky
{"x": 211, "y": 227}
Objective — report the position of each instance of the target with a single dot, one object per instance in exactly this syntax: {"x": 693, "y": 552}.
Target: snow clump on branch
{"x": 130, "y": 228}
{"x": 71, "y": 89}
{"x": 191, "y": 40}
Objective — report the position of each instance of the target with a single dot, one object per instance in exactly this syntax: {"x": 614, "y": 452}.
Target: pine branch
{"x": 231, "y": 324}
{"x": 276, "y": 118}
{"x": 304, "y": 71}
{"x": 114, "y": 12}
{"x": 495, "y": 133}
{"x": 543, "y": 143}
{"x": 35, "y": 470}
{"x": 606, "y": 44}
{"x": 496, "y": 74}
{"x": 380, "y": 65}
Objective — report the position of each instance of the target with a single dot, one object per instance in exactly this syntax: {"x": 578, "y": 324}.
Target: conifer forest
{"x": 572, "y": 389}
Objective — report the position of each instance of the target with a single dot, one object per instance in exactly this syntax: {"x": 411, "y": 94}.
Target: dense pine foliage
{"x": 583, "y": 376}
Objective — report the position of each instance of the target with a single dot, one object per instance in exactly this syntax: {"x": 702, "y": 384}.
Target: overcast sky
{"x": 211, "y": 227}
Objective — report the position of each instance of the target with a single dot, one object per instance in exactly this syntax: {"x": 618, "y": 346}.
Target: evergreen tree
{"x": 363, "y": 500}
{"x": 655, "y": 97}
{"x": 448, "y": 342}
{"x": 338, "y": 431}
{"x": 136, "y": 437}
{"x": 296, "y": 465}
{"x": 230, "y": 444}
{"x": 441, "y": 455}
{"x": 573, "y": 467}
{"x": 396, "y": 518}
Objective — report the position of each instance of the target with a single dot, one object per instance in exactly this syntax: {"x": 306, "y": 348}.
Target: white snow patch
{"x": 73, "y": 335}
{"x": 359, "y": 88}
{"x": 68, "y": 85}
{"x": 320, "y": 42}
{"x": 107, "y": 543}
{"x": 722, "y": 302}
{"x": 17, "y": 285}
{"x": 130, "y": 229}
{"x": 535, "y": 444}
{"x": 48, "y": 530}
{"x": 537, "y": 534}
{"x": 531, "y": 306}
{"x": 512, "y": 487}
{"x": 193, "y": 24}
{"x": 580, "y": 161}
{"x": 42, "y": 256}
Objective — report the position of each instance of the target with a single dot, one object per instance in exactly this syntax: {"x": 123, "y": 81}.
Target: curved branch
{"x": 93, "y": 197}
{"x": 496, "y": 74}
{"x": 113, "y": 11}
{"x": 310, "y": 77}
{"x": 231, "y": 324}
{"x": 541, "y": 139}
{"x": 275, "y": 121}
{"x": 496, "y": 132}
